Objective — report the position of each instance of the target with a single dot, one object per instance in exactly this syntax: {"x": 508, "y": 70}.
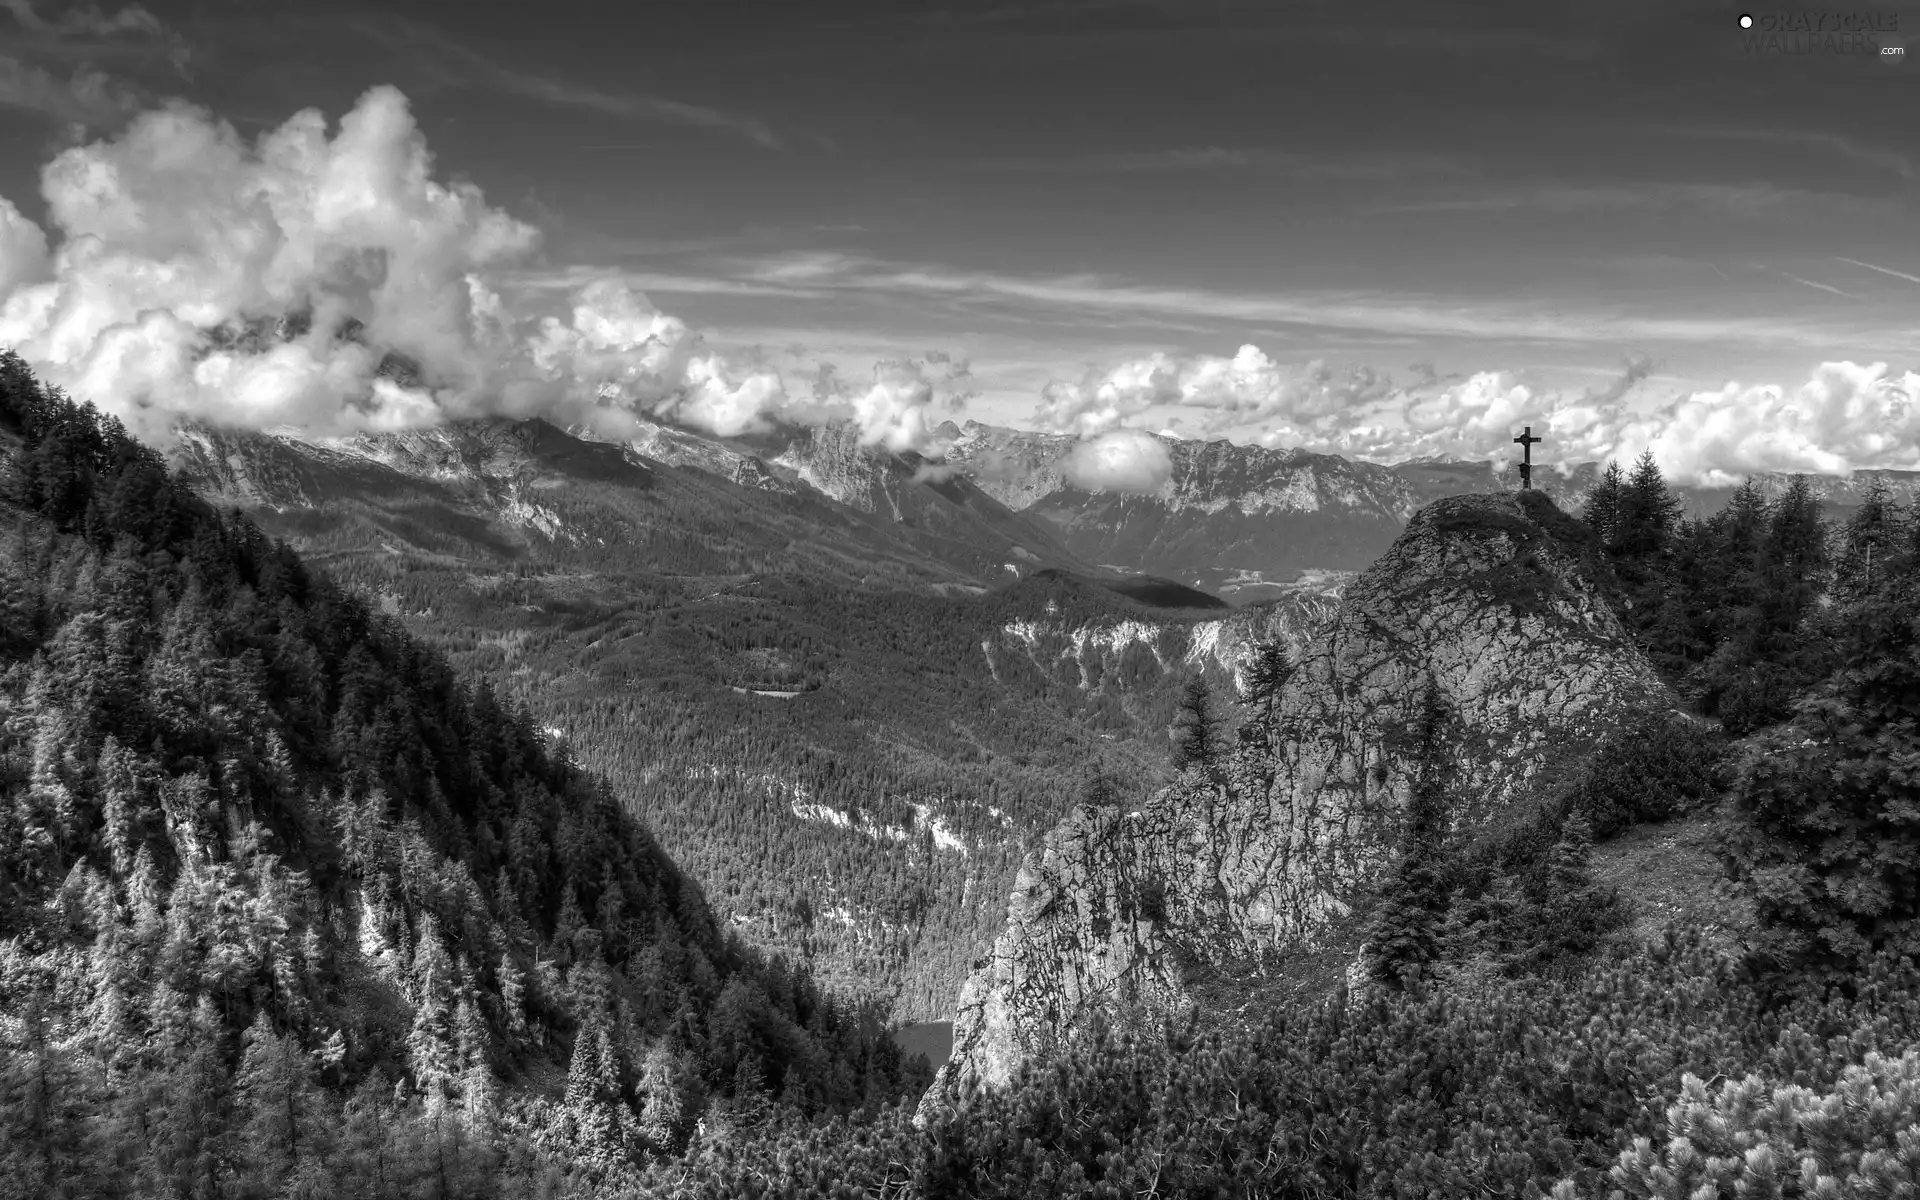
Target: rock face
{"x": 1491, "y": 600}
{"x": 1094, "y": 651}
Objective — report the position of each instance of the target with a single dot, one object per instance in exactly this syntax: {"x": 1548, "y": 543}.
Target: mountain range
{"x": 1236, "y": 519}
{"x": 906, "y": 663}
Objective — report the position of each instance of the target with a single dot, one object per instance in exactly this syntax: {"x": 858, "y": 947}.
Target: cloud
{"x": 23, "y": 249}
{"x": 85, "y": 98}
{"x": 1246, "y": 388}
{"x": 86, "y": 20}
{"x": 1750, "y": 200}
{"x": 1847, "y": 416}
{"x": 459, "y": 64}
{"x": 1820, "y": 287}
{"x": 1772, "y": 139}
{"x": 1398, "y": 313}
{"x": 639, "y": 107}
{"x": 324, "y": 279}
{"x": 1882, "y": 270}
{"x": 197, "y": 276}
{"x": 1344, "y": 167}
{"x": 176, "y": 228}
{"x": 1122, "y": 460}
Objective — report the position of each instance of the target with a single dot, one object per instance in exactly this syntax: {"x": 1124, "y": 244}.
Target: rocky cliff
{"x": 1108, "y": 649}
{"x": 1495, "y": 601}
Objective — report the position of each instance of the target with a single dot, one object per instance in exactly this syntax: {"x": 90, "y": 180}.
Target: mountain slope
{"x": 252, "y": 826}
{"x": 1492, "y": 604}
{"x": 520, "y": 489}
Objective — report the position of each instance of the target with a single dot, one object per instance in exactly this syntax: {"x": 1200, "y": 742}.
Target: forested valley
{"x": 291, "y": 907}
{"x": 851, "y": 763}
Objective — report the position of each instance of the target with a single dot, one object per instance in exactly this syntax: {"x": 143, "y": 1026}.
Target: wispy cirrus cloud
{"x": 1836, "y": 145}
{"x": 1883, "y": 270}
{"x": 86, "y": 97}
{"x": 1756, "y": 199}
{"x": 51, "y": 64}
{"x": 1571, "y": 320}
{"x": 1375, "y": 168}
{"x": 1822, "y": 287}
{"x": 454, "y": 63}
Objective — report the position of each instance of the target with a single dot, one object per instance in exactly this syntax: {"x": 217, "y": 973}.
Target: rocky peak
{"x": 1495, "y": 601}
{"x": 682, "y": 448}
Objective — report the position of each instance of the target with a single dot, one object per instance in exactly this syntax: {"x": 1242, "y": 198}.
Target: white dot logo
{"x": 1746, "y": 22}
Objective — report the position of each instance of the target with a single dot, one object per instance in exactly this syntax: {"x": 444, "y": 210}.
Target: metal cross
{"x": 1526, "y": 441}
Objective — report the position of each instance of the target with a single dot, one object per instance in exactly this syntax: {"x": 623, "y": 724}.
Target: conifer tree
{"x": 666, "y": 1093}
{"x": 275, "y": 1088}
{"x": 1102, "y": 790}
{"x": 750, "y": 1101}
{"x": 1406, "y": 935}
{"x": 1197, "y": 728}
{"x": 1647, "y": 512}
{"x": 431, "y": 1052}
{"x": 1262, "y": 683}
{"x": 1872, "y": 536}
{"x": 1601, "y": 511}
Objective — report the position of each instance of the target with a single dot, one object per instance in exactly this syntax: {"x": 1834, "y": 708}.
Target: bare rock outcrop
{"x": 1496, "y": 602}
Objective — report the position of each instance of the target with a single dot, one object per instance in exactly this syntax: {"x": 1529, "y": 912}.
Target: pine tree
{"x": 1405, "y": 938}
{"x": 1197, "y": 729}
{"x": 1646, "y": 513}
{"x": 1872, "y": 536}
{"x": 666, "y": 1096}
{"x": 1262, "y": 684}
{"x": 1101, "y": 789}
{"x": 750, "y": 1102}
{"x": 1793, "y": 556}
{"x": 275, "y": 1088}
{"x": 1406, "y": 935}
{"x": 431, "y": 1052}
{"x": 1601, "y": 511}
{"x": 1567, "y": 910}
{"x": 478, "y": 1096}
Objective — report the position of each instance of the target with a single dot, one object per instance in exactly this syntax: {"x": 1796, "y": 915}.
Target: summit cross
{"x": 1526, "y": 441}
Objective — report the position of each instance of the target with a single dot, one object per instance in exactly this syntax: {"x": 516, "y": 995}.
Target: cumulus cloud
{"x": 23, "y": 249}
{"x": 1120, "y": 460}
{"x": 325, "y": 279}
{"x": 1248, "y": 387}
{"x": 1847, "y": 416}
{"x": 177, "y": 229}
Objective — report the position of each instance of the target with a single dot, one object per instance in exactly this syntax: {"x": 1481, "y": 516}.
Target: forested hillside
{"x": 831, "y": 729}
{"x": 287, "y": 904}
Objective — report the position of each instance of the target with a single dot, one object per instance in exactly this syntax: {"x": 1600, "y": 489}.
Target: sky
{"x": 1382, "y": 229}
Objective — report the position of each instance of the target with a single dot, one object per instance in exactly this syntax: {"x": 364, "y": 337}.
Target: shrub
{"x": 1658, "y": 768}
